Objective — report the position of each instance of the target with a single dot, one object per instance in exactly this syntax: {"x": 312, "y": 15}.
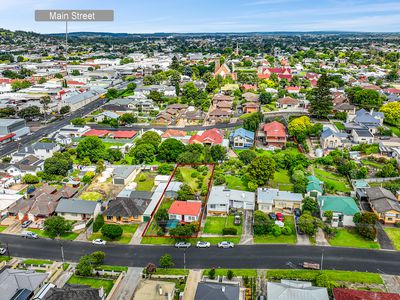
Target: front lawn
{"x": 95, "y": 283}
{"x": 37, "y": 262}
{"x": 112, "y": 268}
{"x": 236, "y": 272}
{"x": 339, "y": 125}
{"x": 2, "y": 228}
{"x": 66, "y": 236}
{"x": 282, "y": 239}
{"x": 193, "y": 241}
{"x": 215, "y": 225}
{"x": 337, "y": 276}
{"x": 394, "y": 235}
{"x": 282, "y": 181}
{"x": 91, "y": 196}
{"x": 350, "y": 238}
{"x": 162, "y": 271}
{"x": 128, "y": 231}
{"x": 336, "y": 181}
{"x": 147, "y": 184}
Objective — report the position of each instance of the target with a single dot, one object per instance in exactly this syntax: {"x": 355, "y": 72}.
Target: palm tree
{"x": 45, "y": 101}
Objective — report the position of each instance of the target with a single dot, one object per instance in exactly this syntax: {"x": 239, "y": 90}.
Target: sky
{"x": 149, "y": 16}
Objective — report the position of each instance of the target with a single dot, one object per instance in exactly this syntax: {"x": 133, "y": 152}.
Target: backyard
{"x": 190, "y": 174}
{"x": 147, "y": 184}
{"x": 235, "y": 183}
{"x": 394, "y": 235}
{"x": 215, "y": 225}
{"x": 350, "y": 238}
{"x": 91, "y": 196}
{"x": 332, "y": 180}
{"x": 281, "y": 181}
{"x": 282, "y": 239}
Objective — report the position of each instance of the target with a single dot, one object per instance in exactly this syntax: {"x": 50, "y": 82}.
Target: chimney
{"x": 217, "y": 65}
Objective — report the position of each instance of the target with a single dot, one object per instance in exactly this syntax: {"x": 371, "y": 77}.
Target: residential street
{"x": 246, "y": 256}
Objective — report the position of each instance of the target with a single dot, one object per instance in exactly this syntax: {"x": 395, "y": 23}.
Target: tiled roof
{"x": 191, "y": 208}
{"x": 348, "y": 294}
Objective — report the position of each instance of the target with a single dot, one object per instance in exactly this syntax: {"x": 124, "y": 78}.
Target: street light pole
{"x": 184, "y": 259}
{"x": 322, "y": 258}
{"x": 8, "y": 250}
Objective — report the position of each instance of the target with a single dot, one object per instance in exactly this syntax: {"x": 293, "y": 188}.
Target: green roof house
{"x": 314, "y": 186}
{"x": 343, "y": 208}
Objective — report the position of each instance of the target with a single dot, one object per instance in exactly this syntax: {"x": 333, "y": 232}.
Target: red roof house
{"x": 95, "y": 132}
{"x": 173, "y": 133}
{"x": 273, "y": 134}
{"x": 347, "y": 294}
{"x": 209, "y": 137}
{"x": 122, "y": 134}
{"x": 185, "y": 211}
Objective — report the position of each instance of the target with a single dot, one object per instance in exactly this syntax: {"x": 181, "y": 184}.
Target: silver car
{"x": 225, "y": 244}
{"x": 182, "y": 245}
{"x": 203, "y": 244}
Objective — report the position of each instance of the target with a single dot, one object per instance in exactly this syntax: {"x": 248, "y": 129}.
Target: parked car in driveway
{"x": 3, "y": 251}
{"x": 238, "y": 220}
{"x": 225, "y": 244}
{"x": 26, "y": 224}
{"x": 203, "y": 244}
{"x": 29, "y": 235}
{"x": 99, "y": 242}
{"x": 272, "y": 216}
{"x": 182, "y": 245}
{"x": 279, "y": 216}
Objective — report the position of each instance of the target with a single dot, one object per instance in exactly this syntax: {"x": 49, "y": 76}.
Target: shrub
{"x": 98, "y": 257}
{"x": 276, "y": 230}
{"x": 229, "y": 274}
{"x": 142, "y": 177}
{"x": 98, "y": 223}
{"x": 229, "y": 231}
{"x": 286, "y": 230}
{"x": 322, "y": 280}
{"x": 89, "y": 223}
{"x": 211, "y": 274}
{"x": 30, "y": 179}
{"x": 194, "y": 174}
{"x": 397, "y": 224}
{"x": 166, "y": 261}
{"x": 111, "y": 231}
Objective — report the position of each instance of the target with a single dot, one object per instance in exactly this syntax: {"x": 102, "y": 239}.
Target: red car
{"x": 279, "y": 216}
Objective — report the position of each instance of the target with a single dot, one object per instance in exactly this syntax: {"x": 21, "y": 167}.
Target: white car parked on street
{"x": 99, "y": 242}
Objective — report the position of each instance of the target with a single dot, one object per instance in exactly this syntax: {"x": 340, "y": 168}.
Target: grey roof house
{"x": 217, "y": 291}
{"x": 221, "y": 199}
{"x": 294, "y": 290}
{"x": 125, "y": 210}
{"x": 125, "y": 174}
{"x": 19, "y": 283}
{"x": 75, "y": 209}
{"x": 74, "y": 292}
{"x": 275, "y": 200}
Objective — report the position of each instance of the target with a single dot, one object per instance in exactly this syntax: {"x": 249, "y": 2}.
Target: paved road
{"x": 50, "y": 128}
{"x": 246, "y": 256}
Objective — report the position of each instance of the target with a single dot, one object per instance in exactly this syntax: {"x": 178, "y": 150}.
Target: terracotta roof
{"x": 274, "y": 129}
{"x": 347, "y": 294}
{"x": 95, "y": 132}
{"x": 173, "y": 133}
{"x": 185, "y": 208}
{"x": 288, "y": 100}
{"x": 213, "y": 136}
{"x": 293, "y": 88}
{"x": 122, "y": 134}
{"x": 392, "y": 91}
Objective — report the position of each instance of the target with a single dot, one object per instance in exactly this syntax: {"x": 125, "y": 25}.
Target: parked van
{"x": 29, "y": 235}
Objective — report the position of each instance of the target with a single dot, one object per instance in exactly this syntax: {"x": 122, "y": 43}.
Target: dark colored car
{"x": 272, "y": 216}
{"x": 297, "y": 212}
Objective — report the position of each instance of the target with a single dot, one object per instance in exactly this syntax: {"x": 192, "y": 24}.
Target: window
{"x": 212, "y": 205}
{"x": 109, "y": 217}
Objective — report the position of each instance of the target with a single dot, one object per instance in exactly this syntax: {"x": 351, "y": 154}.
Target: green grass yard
{"x": 188, "y": 179}
{"x": 337, "y": 276}
{"x": 235, "y": 183}
{"x": 96, "y": 283}
{"x": 281, "y": 180}
{"x": 338, "y": 182}
{"x": 215, "y": 225}
{"x": 350, "y": 238}
{"x": 282, "y": 239}
{"x": 171, "y": 271}
{"x": 374, "y": 164}
{"x": 2, "y": 228}
{"x": 339, "y": 125}
{"x": 37, "y": 262}
{"x": 394, "y": 235}
{"x": 146, "y": 185}
{"x": 91, "y": 196}
{"x": 128, "y": 231}
{"x": 66, "y": 236}
{"x": 236, "y": 272}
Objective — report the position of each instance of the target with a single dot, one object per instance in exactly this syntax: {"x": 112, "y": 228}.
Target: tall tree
{"x": 45, "y": 101}
{"x": 321, "y": 100}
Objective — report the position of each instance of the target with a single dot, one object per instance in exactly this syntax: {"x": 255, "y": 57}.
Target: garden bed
{"x": 282, "y": 239}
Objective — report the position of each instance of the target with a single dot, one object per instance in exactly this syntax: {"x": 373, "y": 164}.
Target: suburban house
{"x": 68, "y": 291}
{"x": 367, "y": 118}
{"x": 250, "y": 107}
{"x": 274, "y": 200}
{"x": 208, "y": 137}
{"x": 223, "y": 70}
{"x": 272, "y": 134}
{"x": 332, "y": 140}
{"x": 362, "y": 136}
{"x": 125, "y": 174}
{"x": 343, "y": 209}
{"x": 20, "y": 284}
{"x": 78, "y": 210}
{"x": 384, "y": 204}
{"x": 175, "y": 134}
{"x": 39, "y": 150}
{"x": 314, "y": 187}
{"x": 287, "y": 102}
{"x": 7, "y": 201}
{"x": 185, "y": 211}
{"x": 241, "y": 139}
{"x": 291, "y": 290}
{"x": 73, "y": 131}
{"x": 125, "y": 210}
{"x": 106, "y": 115}
{"x": 221, "y": 199}
{"x": 216, "y": 290}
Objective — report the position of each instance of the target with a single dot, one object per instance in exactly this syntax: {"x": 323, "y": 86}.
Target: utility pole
{"x": 8, "y": 250}
{"x": 66, "y": 47}
{"x": 184, "y": 259}
{"x": 322, "y": 258}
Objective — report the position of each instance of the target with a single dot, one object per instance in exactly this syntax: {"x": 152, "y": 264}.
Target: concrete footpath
{"x": 191, "y": 284}
{"x": 128, "y": 284}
